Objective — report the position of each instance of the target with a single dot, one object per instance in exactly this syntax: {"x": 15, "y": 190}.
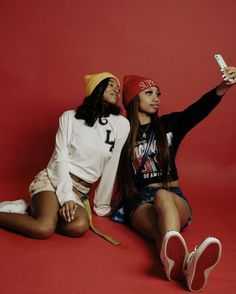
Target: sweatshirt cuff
{"x": 63, "y": 199}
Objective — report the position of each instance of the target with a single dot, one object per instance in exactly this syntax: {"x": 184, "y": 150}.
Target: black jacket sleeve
{"x": 182, "y": 122}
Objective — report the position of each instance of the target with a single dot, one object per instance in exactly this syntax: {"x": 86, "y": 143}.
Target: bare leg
{"x": 168, "y": 213}
{"x": 78, "y": 227}
{"x": 145, "y": 221}
{"x": 43, "y": 222}
{"x": 172, "y": 212}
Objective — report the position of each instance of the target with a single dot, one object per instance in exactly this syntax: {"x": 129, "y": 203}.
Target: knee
{"x": 76, "y": 228}
{"x": 44, "y": 230}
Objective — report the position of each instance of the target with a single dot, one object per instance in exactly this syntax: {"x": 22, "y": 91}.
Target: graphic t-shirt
{"x": 176, "y": 126}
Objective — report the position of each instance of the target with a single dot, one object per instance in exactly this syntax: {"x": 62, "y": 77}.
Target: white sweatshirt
{"x": 89, "y": 153}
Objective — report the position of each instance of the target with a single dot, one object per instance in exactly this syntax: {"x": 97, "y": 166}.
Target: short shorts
{"x": 42, "y": 183}
{"x": 147, "y": 195}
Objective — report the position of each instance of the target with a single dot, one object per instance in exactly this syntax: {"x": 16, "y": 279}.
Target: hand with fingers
{"x": 229, "y": 75}
{"x": 67, "y": 211}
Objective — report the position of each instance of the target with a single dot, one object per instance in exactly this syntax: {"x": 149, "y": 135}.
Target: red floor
{"x": 46, "y": 49}
{"x": 92, "y": 265}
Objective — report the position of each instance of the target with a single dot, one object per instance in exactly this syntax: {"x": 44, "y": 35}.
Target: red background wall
{"x": 48, "y": 46}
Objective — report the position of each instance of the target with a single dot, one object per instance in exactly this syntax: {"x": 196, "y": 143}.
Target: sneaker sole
{"x": 203, "y": 265}
{"x": 175, "y": 253}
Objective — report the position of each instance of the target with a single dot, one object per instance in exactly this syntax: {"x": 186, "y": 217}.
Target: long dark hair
{"x": 94, "y": 107}
{"x": 125, "y": 176}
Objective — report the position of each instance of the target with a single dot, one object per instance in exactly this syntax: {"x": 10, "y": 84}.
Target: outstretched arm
{"x": 185, "y": 120}
{"x": 229, "y": 76}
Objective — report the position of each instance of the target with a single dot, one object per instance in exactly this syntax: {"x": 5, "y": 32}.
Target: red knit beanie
{"x": 133, "y": 85}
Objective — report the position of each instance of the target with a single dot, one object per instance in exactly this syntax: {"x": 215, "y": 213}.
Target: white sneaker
{"x": 17, "y": 206}
{"x": 200, "y": 263}
{"x": 173, "y": 255}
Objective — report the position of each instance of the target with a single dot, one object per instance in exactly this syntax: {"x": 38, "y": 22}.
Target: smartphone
{"x": 219, "y": 59}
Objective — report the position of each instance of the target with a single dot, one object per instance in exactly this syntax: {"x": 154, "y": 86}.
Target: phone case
{"x": 219, "y": 59}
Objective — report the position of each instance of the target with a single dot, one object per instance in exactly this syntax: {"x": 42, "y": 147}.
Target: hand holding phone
{"x": 220, "y": 60}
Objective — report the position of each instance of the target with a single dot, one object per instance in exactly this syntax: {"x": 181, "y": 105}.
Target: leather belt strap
{"x": 84, "y": 198}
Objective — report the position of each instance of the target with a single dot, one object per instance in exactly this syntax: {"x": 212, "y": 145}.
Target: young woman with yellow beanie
{"x": 152, "y": 201}
{"x": 88, "y": 145}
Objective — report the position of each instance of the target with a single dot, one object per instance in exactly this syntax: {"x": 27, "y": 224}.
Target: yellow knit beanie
{"x": 91, "y": 81}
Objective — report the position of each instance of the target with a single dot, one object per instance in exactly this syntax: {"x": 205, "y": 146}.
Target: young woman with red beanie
{"x": 88, "y": 145}
{"x": 152, "y": 201}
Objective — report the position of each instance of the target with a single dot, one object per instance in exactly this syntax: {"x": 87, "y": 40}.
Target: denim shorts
{"x": 147, "y": 195}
